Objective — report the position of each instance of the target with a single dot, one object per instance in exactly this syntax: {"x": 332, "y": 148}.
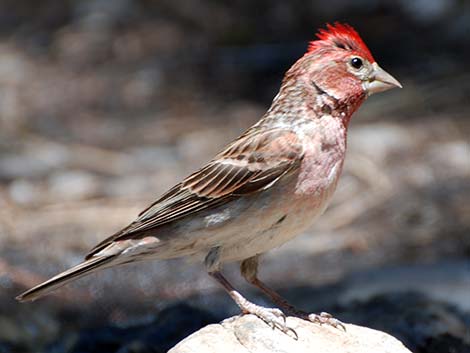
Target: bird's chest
{"x": 319, "y": 172}
{"x": 324, "y": 152}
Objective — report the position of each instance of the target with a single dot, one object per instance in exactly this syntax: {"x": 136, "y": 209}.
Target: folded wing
{"x": 253, "y": 162}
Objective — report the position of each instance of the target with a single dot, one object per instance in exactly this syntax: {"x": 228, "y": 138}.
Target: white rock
{"x": 250, "y": 334}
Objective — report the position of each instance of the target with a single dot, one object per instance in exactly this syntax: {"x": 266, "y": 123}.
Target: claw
{"x": 274, "y": 317}
{"x": 327, "y": 319}
{"x": 285, "y": 329}
{"x": 281, "y": 315}
{"x": 290, "y": 329}
{"x": 271, "y": 316}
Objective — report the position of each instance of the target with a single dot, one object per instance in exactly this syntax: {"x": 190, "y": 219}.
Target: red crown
{"x": 342, "y": 36}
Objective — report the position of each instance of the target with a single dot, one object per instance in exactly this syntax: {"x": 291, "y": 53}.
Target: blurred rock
{"x": 22, "y": 166}
{"x": 429, "y": 11}
{"x": 81, "y": 48}
{"x": 150, "y": 335}
{"x": 153, "y": 158}
{"x": 101, "y": 14}
{"x": 73, "y": 185}
{"x": 14, "y": 69}
{"x": 419, "y": 322}
{"x": 128, "y": 186}
{"x": 453, "y": 156}
{"x": 380, "y": 140}
{"x": 141, "y": 88}
{"x": 34, "y": 161}
{"x": 24, "y": 192}
{"x": 446, "y": 282}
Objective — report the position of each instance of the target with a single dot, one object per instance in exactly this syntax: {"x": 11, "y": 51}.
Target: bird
{"x": 264, "y": 188}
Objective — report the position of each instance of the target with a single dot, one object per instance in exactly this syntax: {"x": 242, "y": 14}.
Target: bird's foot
{"x": 323, "y": 318}
{"x": 326, "y": 319}
{"x": 271, "y": 316}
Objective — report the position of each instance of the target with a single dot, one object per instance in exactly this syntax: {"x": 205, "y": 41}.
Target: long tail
{"x": 65, "y": 277}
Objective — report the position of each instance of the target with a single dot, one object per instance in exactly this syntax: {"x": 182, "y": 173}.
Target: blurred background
{"x": 106, "y": 104}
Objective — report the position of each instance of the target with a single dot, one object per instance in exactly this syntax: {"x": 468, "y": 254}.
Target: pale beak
{"x": 380, "y": 80}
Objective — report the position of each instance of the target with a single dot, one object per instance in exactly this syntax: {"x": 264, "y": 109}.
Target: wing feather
{"x": 252, "y": 163}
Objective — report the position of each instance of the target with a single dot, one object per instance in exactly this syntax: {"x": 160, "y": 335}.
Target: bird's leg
{"x": 249, "y": 270}
{"x": 272, "y": 316}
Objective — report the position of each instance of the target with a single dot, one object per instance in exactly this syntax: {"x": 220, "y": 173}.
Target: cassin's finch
{"x": 265, "y": 187}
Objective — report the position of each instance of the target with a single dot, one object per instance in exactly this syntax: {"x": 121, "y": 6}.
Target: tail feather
{"x": 65, "y": 277}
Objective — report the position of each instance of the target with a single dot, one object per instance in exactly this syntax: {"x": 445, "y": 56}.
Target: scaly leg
{"x": 272, "y": 316}
{"x": 249, "y": 270}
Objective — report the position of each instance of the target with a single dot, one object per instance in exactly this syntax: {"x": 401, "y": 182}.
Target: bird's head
{"x": 339, "y": 64}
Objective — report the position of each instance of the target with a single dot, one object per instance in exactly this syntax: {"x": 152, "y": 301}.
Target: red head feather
{"x": 342, "y": 36}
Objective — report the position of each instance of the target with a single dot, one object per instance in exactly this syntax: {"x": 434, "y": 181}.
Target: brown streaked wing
{"x": 249, "y": 164}
{"x": 252, "y": 163}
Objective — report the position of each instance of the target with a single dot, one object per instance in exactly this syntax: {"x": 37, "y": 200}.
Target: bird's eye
{"x": 356, "y": 63}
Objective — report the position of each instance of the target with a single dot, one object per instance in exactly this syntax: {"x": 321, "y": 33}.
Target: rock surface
{"x": 250, "y": 334}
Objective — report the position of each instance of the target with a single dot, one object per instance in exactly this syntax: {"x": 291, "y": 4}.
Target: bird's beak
{"x": 380, "y": 80}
